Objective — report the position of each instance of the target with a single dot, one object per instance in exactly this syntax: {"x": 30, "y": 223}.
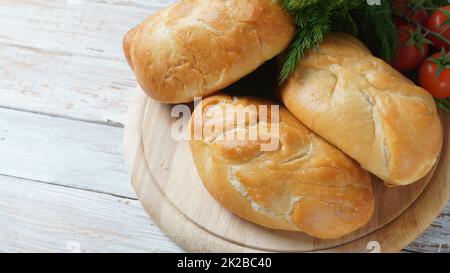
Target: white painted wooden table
{"x": 64, "y": 90}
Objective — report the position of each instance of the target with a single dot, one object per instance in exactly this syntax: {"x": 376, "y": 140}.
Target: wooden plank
{"x": 68, "y": 61}
{"x": 38, "y": 217}
{"x": 64, "y": 85}
{"x": 89, "y": 156}
{"x": 84, "y": 27}
{"x": 66, "y": 152}
{"x": 165, "y": 208}
{"x": 437, "y": 237}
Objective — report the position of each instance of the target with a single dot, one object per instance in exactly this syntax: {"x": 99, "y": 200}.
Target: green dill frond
{"x": 304, "y": 41}
{"x": 315, "y": 19}
{"x": 435, "y": 3}
{"x": 295, "y": 5}
{"x": 378, "y": 31}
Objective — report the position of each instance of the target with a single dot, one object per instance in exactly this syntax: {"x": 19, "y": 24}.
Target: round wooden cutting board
{"x": 166, "y": 181}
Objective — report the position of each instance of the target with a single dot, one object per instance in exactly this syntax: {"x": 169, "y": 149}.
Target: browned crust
{"x": 195, "y": 48}
{"x": 367, "y": 109}
{"x": 305, "y": 185}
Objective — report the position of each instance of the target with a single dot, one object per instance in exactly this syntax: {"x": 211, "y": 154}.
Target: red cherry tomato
{"x": 402, "y": 7}
{"x": 439, "y": 86}
{"x": 440, "y": 23}
{"x": 410, "y": 53}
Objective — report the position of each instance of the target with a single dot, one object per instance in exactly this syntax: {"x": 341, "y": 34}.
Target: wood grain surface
{"x": 65, "y": 84}
{"x": 162, "y": 170}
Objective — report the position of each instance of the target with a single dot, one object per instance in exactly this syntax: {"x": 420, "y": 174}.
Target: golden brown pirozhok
{"x": 305, "y": 184}
{"x": 367, "y": 109}
{"x": 197, "y": 47}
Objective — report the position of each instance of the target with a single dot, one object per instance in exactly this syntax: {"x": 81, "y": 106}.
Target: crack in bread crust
{"x": 238, "y": 186}
{"x": 279, "y": 189}
{"x": 221, "y": 41}
{"x": 393, "y": 131}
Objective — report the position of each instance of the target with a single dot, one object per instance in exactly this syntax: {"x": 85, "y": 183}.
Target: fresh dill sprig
{"x": 377, "y": 30}
{"x": 434, "y": 3}
{"x": 315, "y": 19}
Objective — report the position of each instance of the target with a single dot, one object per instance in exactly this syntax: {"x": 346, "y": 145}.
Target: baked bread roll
{"x": 196, "y": 47}
{"x": 302, "y": 184}
{"x": 367, "y": 109}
